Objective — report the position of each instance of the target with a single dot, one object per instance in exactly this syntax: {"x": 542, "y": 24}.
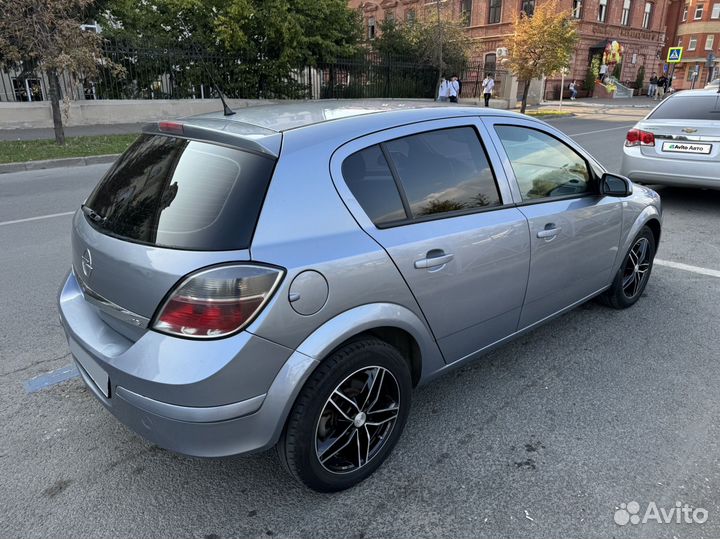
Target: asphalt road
{"x": 543, "y": 438}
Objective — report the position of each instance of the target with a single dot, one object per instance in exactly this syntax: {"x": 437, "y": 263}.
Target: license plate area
{"x": 687, "y": 147}
{"x": 96, "y": 373}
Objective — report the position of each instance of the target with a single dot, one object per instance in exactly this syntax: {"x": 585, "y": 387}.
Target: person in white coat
{"x": 488, "y": 84}
{"x": 454, "y": 90}
{"x": 443, "y": 90}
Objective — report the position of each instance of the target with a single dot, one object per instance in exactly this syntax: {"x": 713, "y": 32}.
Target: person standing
{"x": 652, "y": 89}
{"x": 443, "y": 90}
{"x": 573, "y": 90}
{"x": 661, "y": 85}
{"x": 453, "y": 90}
{"x": 488, "y": 84}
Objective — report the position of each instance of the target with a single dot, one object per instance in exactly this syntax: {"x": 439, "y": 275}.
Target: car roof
{"x": 281, "y": 117}
{"x": 259, "y": 128}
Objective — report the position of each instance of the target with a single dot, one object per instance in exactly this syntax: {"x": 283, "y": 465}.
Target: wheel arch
{"x": 392, "y": 323}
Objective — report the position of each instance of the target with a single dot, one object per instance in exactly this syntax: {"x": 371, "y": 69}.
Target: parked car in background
{"x": 678, "y": 143}
{"x": 287, "y": 275}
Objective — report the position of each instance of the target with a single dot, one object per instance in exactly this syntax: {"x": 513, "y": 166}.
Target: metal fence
{"x": 186, "y": 74}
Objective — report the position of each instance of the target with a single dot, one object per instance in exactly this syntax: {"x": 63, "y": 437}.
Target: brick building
{"x": 695, "y": 26}
{"x": 638, "y": 25}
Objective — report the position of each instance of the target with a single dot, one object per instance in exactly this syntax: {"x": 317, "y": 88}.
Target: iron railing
{"x": 188, "y": 74}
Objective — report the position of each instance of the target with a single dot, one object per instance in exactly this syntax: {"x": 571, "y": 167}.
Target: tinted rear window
{"x": 689, "y": 107}
{"x": 184, "y": 194}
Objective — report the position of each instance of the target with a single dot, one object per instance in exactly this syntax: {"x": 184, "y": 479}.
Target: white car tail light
{"x": 217, "y": 302}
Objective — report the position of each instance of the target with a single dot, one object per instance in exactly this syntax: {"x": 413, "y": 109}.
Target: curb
{"x": 6, "y": 168}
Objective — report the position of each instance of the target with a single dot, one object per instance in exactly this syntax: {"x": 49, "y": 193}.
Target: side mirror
{"x": 614, "y": 185}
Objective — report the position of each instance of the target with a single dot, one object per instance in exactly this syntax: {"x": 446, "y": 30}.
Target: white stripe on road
{"x": 600, "y": 130}
{"x": 687, "y": 267}
{"x": 50, "y": 216}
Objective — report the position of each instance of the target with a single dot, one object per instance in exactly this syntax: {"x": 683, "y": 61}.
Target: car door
{"x": 574, "y": 231}
{"x": 430, "y": 196}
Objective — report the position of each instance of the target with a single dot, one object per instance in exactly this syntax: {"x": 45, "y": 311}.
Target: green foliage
{"x": 640, "y": 79}
{"x": 18, "y": 151}
{"x": 257, "y": 43}
{"x": 422, "y": 40}
{"x": 541, "y": 44}
{"x": 592, "y": 74}
{"x": 617, "y": 71}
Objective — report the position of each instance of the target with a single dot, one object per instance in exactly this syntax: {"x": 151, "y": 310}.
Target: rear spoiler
{"x": 247, "y": 137}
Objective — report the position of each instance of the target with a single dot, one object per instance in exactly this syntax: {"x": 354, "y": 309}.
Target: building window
{"x": 692, "y": 45}
{"x": 371, "y": 28}
{"x": 647, "y": 15}
{"x": 577, "y": 9}
{"x": 699, "y": 11}
{"x": 494, "y": 11}
{"x": 390, "y": 16}
{"x": 625, "y": 17}
{"x": 466, "y": 11}
{"x": 410, "y": 16}
{"x": 715, "y": 14}
{"x": 685, "y": 13}
{"x": 528, "y": 7}
{"x": 602, "y": 10}
{"x": 490, "y": 64}
{"x": 709, "y": 42}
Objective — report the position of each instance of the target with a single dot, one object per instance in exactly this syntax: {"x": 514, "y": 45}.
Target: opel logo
{"x": 689, "y": 130}
{"x": 87, "y": 266}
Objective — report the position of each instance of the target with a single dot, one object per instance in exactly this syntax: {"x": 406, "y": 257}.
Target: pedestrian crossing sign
{"x": 674, "y": 55}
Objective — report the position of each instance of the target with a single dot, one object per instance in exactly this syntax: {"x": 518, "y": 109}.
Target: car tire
{"x": 358, "y": 398}
{"x": 634, "y": 272}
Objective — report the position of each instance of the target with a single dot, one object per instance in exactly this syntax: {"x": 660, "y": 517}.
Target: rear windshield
{"x": 689, "y": 107}
{"x": 185, "y": 194}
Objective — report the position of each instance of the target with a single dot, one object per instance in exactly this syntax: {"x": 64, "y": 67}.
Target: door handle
{"x": 433, "y": 261}
{"x": 549, "y": 232}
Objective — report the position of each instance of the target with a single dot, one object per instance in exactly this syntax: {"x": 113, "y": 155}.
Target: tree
{"x": 541, "y": 44}
{"x": 266, "y": 38}
{"x": 640, "y": 79}
{"x": 47, "y": 34}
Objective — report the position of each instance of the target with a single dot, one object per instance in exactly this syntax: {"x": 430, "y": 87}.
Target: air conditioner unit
{"x": 501, "y": 52}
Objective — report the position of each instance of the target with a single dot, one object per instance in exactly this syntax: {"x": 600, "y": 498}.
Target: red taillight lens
{"x": 171, "y": 127}
{"x": 638, "y": 137}
{"x": 217, "y": 302}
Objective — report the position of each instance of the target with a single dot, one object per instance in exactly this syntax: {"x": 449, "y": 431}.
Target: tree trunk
{"x": 523, "y": 106}
{"x": 440, "y": 50}
{"x": 54, "y": 88}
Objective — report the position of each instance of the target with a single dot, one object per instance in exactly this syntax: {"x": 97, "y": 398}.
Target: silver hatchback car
{"x": 678, "y": 143}
{"x": 285, "y": 276}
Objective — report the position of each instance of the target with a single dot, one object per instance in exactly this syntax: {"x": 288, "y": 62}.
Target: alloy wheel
{"x": 357, "y": 420}
{"x": 636, "y": 268}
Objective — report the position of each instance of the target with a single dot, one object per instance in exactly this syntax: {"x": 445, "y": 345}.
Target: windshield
{"x": 179, "y": 193}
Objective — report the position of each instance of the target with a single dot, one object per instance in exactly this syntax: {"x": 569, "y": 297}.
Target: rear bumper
{"x": 664, "y": 171}
{"x": 188, "y": 409}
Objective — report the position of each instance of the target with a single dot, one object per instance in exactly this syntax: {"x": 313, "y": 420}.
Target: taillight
{"x": 217, "y": 302}
{"x": 638, "y": 137}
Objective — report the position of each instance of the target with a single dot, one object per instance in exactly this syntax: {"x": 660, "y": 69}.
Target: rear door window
{"x": 185, "y": 194}
{"x": 689, "y": 107}
{"x": 444, "y": 171}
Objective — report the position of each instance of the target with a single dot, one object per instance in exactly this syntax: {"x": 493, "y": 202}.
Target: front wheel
{"x": 348, "y": 416}
{"x": 634, "y": 272}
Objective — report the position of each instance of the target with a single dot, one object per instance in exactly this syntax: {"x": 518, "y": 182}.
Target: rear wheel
{"x": 634, "y": 272}
{"x": 348, "y": 416}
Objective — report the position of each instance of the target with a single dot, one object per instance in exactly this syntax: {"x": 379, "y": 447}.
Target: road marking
{"x": 687, "y": 267}
{"x": 63, "y": 374}
{"x": 49, "y": 216}
{"x": 600, "y": 130}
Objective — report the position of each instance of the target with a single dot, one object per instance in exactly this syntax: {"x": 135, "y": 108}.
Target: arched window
{"x": 490, "y": 64}
{"x": 528, "y": 6}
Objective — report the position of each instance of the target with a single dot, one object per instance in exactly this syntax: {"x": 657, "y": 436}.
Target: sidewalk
{"x": 640, "y": 102}
{"x": 76, "y": 131}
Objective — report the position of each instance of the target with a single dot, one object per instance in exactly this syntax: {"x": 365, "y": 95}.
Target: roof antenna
{"x": 227, "y": 111}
